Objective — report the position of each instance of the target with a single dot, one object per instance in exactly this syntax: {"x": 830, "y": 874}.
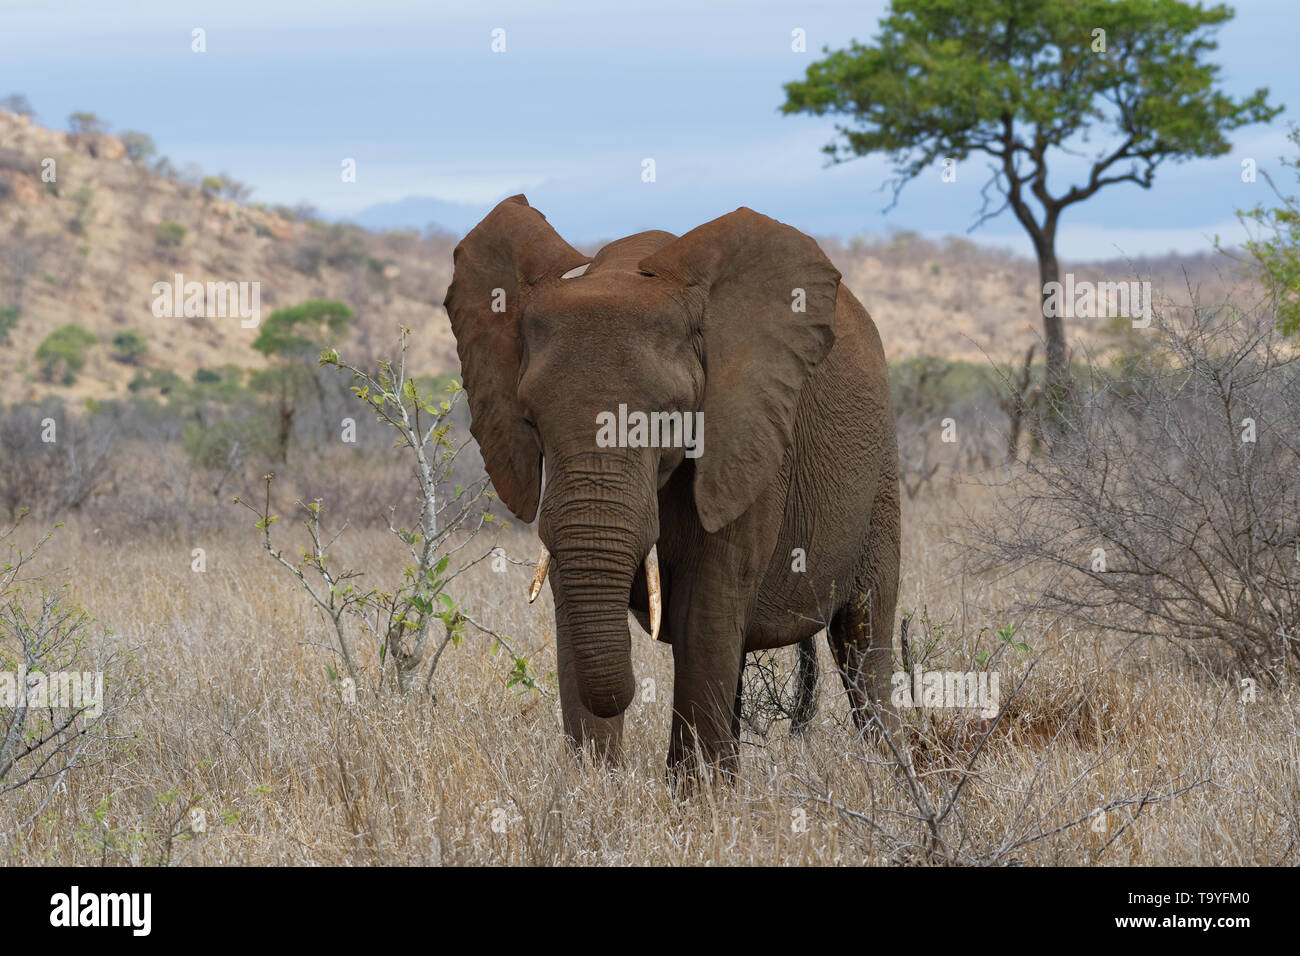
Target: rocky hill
{"x": 89, "y": 246}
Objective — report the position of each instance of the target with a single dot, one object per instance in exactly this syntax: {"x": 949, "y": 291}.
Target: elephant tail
{"x": 805, "y": 707}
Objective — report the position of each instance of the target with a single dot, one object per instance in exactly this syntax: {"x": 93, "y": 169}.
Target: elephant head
{"x": 727, "y": 321}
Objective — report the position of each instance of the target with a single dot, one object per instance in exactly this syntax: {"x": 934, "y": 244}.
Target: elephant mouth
{"x": 651, "y": 578}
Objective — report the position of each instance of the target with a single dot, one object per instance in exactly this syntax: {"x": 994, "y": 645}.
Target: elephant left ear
{"x": 495, "y": 269}
{"x": 763, "y": 295}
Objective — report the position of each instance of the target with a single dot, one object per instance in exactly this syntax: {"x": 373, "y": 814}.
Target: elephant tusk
{"x": 652, "y": 586}
{"x": 651, "y": 580}
{"x": 539, "y": 576}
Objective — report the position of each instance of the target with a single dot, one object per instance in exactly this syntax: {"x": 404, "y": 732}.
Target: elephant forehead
{"x": 606, "y": 298}
{"x": 623, "y": 255}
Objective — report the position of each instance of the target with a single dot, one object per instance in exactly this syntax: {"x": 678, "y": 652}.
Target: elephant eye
{"x": 529, "y": 422}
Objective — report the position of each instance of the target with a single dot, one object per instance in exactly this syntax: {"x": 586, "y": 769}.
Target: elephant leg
{"x": 805, "y": 707}
{"x": 706, "y": 722}
{"x": 601, "y": 736}
{"x": 864, "y": 664}
{"x": 708, "y": 614}
{"x": 861, "y": 633}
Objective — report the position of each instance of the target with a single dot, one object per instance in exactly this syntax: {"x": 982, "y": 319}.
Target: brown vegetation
{"x": 241, "y": 718}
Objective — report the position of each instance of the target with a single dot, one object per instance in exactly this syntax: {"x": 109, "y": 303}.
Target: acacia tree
{"x": 290, "y": 337}
{"x": 83, "y": 123}
{"x": 18, "y": 104}
{"x": 1027, "y": 82}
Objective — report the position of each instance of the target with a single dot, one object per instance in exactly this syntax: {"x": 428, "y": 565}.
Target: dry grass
{"x": 240, "y": 715}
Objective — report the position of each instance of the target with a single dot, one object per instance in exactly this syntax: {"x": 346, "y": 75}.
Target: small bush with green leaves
{"x": 385, "y": 635}
{"x": 63, "y": 353}
{"x": 220, "y": 442}
{"x": 926, "y": 383}
{"x": 83, "y": 199}
{"x": 163, "y": 379}
{"x": 224, "y": 384}
{"x": 129, "y": 346}
{"x": 8, "y": 320}
{"x": 169, "y": 235}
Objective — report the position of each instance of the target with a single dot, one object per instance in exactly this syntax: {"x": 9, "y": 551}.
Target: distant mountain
{"x": 419, "y": 212}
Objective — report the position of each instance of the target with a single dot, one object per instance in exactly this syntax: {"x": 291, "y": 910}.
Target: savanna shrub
{"x": 1169, "y": 507}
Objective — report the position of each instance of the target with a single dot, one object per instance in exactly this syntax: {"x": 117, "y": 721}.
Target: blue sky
{"x": 584, "y": 92}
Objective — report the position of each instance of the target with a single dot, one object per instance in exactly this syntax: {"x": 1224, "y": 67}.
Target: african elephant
{"x": 760, "y": 503}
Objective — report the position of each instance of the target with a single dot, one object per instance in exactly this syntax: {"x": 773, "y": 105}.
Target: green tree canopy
{"x": 1022, "y": 82}
{"x": 283, "y": 332}
{"x": 169, "y": 234}
{"x": 139, "y": 146}
{"x": 62, "y": 353}
{"x": 86, "y": 124}
{"x": 128, "y": 346}
{"x": 286, "y": 335}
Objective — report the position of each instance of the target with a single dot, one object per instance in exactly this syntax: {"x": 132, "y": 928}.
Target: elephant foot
{"x": 597, "y": 739}
{"x": 692, "y": 767}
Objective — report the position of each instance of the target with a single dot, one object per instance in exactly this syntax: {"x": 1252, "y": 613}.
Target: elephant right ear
{"x": 495, "y": 269}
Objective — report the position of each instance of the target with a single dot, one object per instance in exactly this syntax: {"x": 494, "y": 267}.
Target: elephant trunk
{"x": 599, "y": 521}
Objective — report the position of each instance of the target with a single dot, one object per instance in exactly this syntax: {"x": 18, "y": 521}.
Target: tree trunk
{"x": 1058, "y": 370}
